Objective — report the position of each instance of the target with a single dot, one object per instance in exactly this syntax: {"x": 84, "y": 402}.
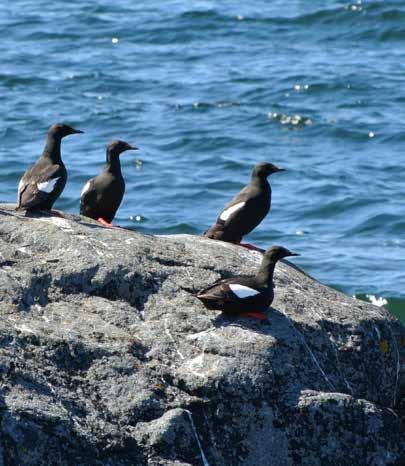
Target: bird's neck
{"x": 266, "y": 271}
{"x": 113, "y": 164}
{"x": 52, "y": 149}
{"x": 259, "y": 181}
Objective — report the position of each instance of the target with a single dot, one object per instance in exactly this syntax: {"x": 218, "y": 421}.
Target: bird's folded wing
{"x": 231, "y": 210}
{"x": 228, "y": 292}
{"x": 237, "y": 209}
{"x": 89, "y": 193}
{"x": 214, "y": 290}
{"x": 34, "y": 188}
{"x": 86, "y": 188}
{"x": 242, "y": 291}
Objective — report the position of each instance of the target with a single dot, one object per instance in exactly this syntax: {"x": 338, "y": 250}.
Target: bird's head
{"x": 118, "y": 147}
{"x": 270, "y": 258}
{"x": 60, "y": 130}
{"x": 264, "y": 169}
{"x": 275, "y": 253}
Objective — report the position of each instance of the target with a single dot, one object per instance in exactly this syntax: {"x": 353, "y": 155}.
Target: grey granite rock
{"x": 106, "y": 357}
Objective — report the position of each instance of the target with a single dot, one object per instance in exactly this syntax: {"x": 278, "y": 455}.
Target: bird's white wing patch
{"x": 228, "y": 212}
{"x": 86, "y": 187}
{"x": 47, "y": 186}
{"x": 242, "y": 291}
{"x": 20, "y": 185}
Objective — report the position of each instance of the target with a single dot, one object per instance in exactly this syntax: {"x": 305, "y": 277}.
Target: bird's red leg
{"x": 105, "y": 223}
{"x": 255, "y": 315}
{"x": 251, "y": 247}
{"x": 57, "y": 213}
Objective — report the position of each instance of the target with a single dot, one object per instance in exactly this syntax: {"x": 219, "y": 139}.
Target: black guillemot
{"x": 246, "y": 296}
{"x": 247, "y": 209}
{"x": 44, "y": 182}
{"x": 102, "y": 195}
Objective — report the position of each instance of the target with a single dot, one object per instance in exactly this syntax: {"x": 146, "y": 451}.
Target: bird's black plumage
{"x": 44, "y": 182}
{"x": 247, "y": 209}
{"x": 245, "y": 294}
{"x": 102, "y": 195}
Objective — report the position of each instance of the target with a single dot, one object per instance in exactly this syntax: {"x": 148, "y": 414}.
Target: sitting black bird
{"x": 247, "y": 209}
{"x": 102, "y": 195}
{"x": 44, "y": 182}
{"x": 245, "y": 295}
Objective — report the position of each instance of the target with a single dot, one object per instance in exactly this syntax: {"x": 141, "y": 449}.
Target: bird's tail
{"x": 215, "y": 232}
{"x": 208, "y": 304}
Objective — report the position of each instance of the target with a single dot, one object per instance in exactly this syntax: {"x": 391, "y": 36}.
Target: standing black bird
{"x": 44, "y": 182}
{"x": 102, "y": 195}
{"x": 245, "y": 295}
{"x": 247, "y": 209}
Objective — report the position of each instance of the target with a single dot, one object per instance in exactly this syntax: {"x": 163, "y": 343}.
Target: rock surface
{"x": 106, "y": 357}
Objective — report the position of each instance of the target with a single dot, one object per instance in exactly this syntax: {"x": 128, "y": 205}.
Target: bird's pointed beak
{"x": 294, "y": 254}
{"x": 281, "y": 169}
{"x": 132, "y": 147}
{"x": 77, "y": 131}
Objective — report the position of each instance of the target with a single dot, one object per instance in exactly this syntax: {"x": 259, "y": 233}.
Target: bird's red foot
{"x": 251, "y": 247}
{"x": 105, "y": 223}
{"x": 256, "y": 315}
{"x": 57, "y": 213}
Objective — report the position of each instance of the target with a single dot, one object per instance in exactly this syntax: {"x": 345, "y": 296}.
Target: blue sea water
{"x": 206, "y": 89}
